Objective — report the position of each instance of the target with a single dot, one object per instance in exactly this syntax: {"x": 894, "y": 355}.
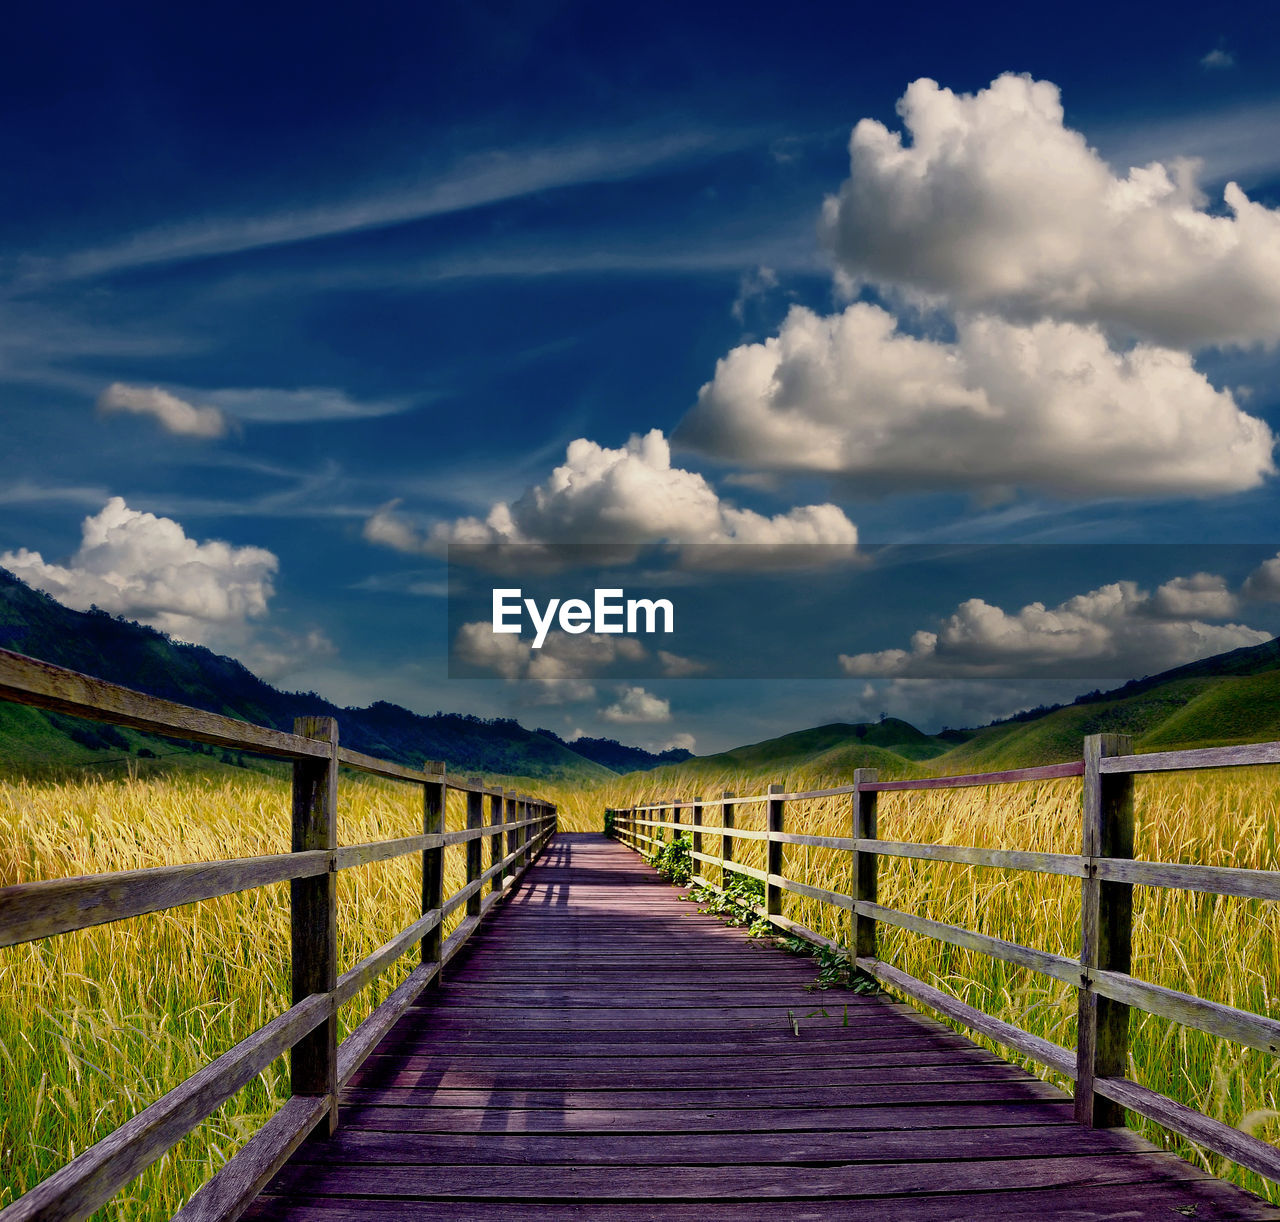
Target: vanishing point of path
{"x": 602, "y": 1050}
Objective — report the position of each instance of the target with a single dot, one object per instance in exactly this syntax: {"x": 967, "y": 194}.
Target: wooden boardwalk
{"x": 604, "y": 1051}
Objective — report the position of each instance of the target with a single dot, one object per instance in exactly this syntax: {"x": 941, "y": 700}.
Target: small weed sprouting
{"x": 610, "y": 826}
{"x": 673, "y": 860}
{"x": 836, "y": 970}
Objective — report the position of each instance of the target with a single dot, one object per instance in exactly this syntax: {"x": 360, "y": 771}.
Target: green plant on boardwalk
{"x": 674, "y": 861}
{"x": 736, "y": 904}
{"x": 610, "y": 821}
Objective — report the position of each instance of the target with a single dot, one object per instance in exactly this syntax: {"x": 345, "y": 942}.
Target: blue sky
{"x": 292, "y": 300}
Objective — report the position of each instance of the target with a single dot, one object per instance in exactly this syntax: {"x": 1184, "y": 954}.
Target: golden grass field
{"x": 95, "y": 1025}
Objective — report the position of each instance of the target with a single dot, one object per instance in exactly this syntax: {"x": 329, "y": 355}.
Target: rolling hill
{"x": 1230, "y": 698}
{"x": 139, "y": 657}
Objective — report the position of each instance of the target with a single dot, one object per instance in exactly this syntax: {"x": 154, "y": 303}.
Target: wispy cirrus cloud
{"x": 486, "y": 178}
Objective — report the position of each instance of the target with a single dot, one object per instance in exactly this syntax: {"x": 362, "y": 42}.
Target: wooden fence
{"x": 1106, "y": 992}
{"x": 320, "y": 1067}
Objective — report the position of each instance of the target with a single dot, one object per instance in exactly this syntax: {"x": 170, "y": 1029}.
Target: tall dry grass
{"x": 1220, "y": 948}
{"x": 95, "y": 1025}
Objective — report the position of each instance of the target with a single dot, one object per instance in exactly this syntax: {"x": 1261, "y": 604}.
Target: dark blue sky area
{"x": 290, "y": 297}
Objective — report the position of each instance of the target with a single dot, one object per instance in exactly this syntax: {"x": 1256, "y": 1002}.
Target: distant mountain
{"x": 142, "y": 658}
{"x": 618, "y": 757}
{"x": 1232, "y": 697}
{"x": 1229, "y": 698}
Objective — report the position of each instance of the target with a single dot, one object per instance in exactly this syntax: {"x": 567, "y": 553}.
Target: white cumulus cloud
{"x": 1048, "y": 405}
{"x": 1116, "y": 624}
{"x": 678, "y": 742}
{"x": 627, "y": 496}
{"x": 635, "y": 706}
{"x": 994, "y": 204}
{"x": 174, "y": 415}
{"x": 1263, "y": 584}
{"x": 147, "y": 568}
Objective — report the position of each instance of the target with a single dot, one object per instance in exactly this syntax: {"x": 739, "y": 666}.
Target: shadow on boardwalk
{"x": 605, "y": 1051}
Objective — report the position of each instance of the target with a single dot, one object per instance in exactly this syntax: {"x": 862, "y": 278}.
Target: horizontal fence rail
{"x": 307, "y": 1031}
{"x": 1106, "y": 992}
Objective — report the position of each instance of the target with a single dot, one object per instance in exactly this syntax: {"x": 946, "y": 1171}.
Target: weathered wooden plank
{"x": 745, "y": 1082}
{"x": 232, "y": 1189}
{"x": 362, "y": 1041}
{"x": 1041, "y": 1050}
{"x": 1203, "y": 1199}
{"x": 1015, "y": 1089}
{"x": 1057, "y": 966}
{"x": 1067, "y": 864}
{"x": 817, "y": 842}
{"x": 782, "y": 883}
{"x": 359, "y": 762}
{"x": 373, "y": 965}
{"x": 93, "y": 1177}
{"x": 43, "y": 685}
{"x": 467, "y": 835}
{"x": 1233, "y": 1143}
{"x": 715, "y": 1184}
{"x": 1253, "y": 1030}
{"x": 712, "y": 1149}
{"x": 43, "y": 909}
{"x": 1043, "y": 772}
{"x": 492, "y": 1058}
{"x": 1242, "y": 756}
{"x": 1216, "y": 880}
{"x": 993, "y": 1111}
{"x": 351, "y": 855}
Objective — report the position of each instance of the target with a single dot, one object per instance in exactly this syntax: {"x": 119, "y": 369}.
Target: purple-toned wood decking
{"x": 604, "y": 1051}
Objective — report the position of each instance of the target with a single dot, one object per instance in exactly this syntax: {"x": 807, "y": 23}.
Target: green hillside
{"x": 141, "y": 658}
{"x": 897, "y": 737}
{"x": 1231, "y": 698}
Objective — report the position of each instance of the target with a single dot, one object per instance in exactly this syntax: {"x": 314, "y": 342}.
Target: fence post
{"x": 864, "y": 863}
{"x": 773, "y": 853}
{"x": 512, "y": 815}
{"x": 433, "y": 795}
{"x": 313, "y": 906}
{"x": 695, "y": 814}
{"x": 726, "y": 842}
{"x": 1106, "y": 930}
{"x": 475, "y": 818}
{"x": 495, "y": 840}
{"x": 522, "y": 805}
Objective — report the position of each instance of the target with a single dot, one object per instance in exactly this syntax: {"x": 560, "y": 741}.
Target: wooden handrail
{"x": 1107, "y": 871}
{"x": 308, "y": 1029}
